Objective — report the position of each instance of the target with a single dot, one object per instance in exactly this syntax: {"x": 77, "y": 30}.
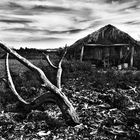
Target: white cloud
{"x": 53, "y": 20}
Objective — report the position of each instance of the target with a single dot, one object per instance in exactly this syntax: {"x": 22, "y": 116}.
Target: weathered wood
{"x": 49, "y": 61}
{"x": 58, "y": 68}
{"x": 82, "y": 53}
{"x": 68, "y": 107}
{"x": 132, "y": 56}
{"x": 59, "y": 71}
{"x": 10, "y": 82}
{"x": 121, "y": 54}
{"x": 25, "y": 109}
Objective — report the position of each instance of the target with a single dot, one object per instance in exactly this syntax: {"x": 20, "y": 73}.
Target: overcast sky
{"x": 54, "y": 23}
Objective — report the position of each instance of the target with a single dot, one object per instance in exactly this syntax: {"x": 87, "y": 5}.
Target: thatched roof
{"x": 106, "y": 35}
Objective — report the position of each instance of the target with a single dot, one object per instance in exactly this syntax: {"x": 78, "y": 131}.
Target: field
{"x": 16, "y": 66}
{"x": 107, "y": 102}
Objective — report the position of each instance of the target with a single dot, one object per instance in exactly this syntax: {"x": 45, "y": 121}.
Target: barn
{"x": 105, "y": 47}
{"x": 107, "y": 55}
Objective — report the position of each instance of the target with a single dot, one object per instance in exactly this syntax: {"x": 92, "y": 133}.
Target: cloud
{"x": 43, "y": 38}
{"x": 66, "y": 20}
{"x": 42, "y": 8}
{"x": 13, "y": 5}
{"x": 15, "y": 21}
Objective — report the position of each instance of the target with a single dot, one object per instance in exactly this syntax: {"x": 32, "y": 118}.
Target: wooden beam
{"x": 132, "y": 56}
{"x": 82, "y": 53}
{"x": 121, "y": 55}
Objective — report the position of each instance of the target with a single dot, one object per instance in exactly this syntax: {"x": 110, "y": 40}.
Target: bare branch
{"x": 59, "y": 67}
{"x": 47, "y": 98}
{"x": 69, "y": 109}
{"x": 49, "y": 61}
{"x": 59, "y": 75}
{"x": 10, "y": 82}
{"x": 59, "y": 71}
{"x": 37, "y": 102}
{"x": 24, "y": 61}
{"x": 31, "y": 66}
{"x": 53, "y": 98}
{"x": 65, "y": 51}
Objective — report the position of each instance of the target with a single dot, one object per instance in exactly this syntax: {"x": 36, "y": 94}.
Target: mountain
{"x": 106, "y": 35}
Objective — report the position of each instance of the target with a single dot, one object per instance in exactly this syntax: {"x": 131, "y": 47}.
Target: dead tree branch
{"x": 11, "y": 84}
{"x": 60, "y": 98}
{"x": 58, "y": 68}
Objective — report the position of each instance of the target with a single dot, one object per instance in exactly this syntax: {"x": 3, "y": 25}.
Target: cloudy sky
{"x": 54, "y": 23}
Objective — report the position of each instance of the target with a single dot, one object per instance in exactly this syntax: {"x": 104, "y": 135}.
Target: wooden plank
{"x": 121, "y": 54}
{"x": 82, "y": 53}
{"x": 132, "y": 57}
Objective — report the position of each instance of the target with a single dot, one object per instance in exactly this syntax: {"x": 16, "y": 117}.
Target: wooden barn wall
{"x": 92, "y": 53}
{"x": 100, "y": 53}
{"x": 73, "y": 53}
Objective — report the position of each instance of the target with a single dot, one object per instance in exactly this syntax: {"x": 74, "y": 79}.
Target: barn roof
{"x": 106, "y": 35}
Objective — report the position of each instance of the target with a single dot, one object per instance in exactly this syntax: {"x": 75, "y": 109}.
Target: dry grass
{"x": 17, "y": 67}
